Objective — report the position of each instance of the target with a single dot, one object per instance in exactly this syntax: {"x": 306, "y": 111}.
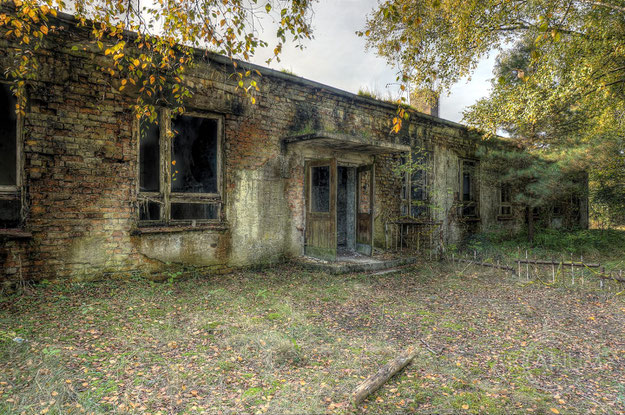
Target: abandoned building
{"x": 86, "y": 190}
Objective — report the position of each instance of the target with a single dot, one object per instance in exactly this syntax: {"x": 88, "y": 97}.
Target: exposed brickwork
{"x": 81, "y": 169}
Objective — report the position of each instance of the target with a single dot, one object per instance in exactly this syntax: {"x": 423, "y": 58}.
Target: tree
{"x": 559, "y": 82}
{"x": 151, "y": 45}
{"x": 533, "y": 182}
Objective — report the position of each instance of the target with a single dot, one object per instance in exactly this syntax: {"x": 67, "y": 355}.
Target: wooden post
{"x": 602, "y": 275}
{"x": 572, "y": 271}
{"x": 527, "y": 266}
{"x": 553, "y": 271}
{"x": 581, "y": 259}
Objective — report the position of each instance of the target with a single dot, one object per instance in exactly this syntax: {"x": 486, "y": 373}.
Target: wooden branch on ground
{"x": 373, "y": 383}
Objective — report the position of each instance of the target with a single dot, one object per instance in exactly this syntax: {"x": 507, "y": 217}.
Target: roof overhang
{"x": 344, "y": 142}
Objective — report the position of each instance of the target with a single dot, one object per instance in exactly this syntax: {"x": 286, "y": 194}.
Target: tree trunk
{"x": 386, "y": 372}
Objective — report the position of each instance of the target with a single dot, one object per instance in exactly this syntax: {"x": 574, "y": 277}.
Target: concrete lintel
{"x": 345, "y": 142}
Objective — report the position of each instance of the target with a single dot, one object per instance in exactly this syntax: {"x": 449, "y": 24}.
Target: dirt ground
{"x": 285, "y": 340}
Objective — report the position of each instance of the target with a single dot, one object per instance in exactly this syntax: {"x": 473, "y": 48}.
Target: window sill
{"x": 505, "y": 218}
{"x": 470, "y": 219}
{"x": 157, "y": 229}
{"x": 8, "y": 234}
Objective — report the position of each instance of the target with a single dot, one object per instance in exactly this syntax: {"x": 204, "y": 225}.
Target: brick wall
{"x": 81, "y": 169}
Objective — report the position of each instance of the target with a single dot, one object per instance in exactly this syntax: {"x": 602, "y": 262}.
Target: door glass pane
{"x": 8, "y": 141}
{"x": 193, "y": 211}
{"x": 149, "y": 157}
{"x": 194, "y": 155}
{"x": 320, "y": 189}
{"x": 364, "y": 191}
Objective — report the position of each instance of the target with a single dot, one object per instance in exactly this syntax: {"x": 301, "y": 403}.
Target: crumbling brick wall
{"x": 81, "y": 168}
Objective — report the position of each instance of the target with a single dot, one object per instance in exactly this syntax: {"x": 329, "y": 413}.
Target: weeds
{"x": 290, "y": 341}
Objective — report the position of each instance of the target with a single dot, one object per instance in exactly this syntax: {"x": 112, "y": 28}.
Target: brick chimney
{"x": 425, "y": 101}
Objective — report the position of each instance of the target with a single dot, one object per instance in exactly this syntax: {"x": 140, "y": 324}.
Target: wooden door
{"x": 365, "y": 182}
{"x": 320, "y": 191}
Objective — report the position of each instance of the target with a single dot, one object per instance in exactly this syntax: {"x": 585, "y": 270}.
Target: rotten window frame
{"x": 407, "y": 185}
{"x": 16, "y": 192}
{"x": 165, "y": 197}
{"x": 469, "y": 209}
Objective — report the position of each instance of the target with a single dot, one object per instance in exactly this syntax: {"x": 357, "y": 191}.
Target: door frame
{"x": 320, "y": 246}
{"x": 362, "y": 246}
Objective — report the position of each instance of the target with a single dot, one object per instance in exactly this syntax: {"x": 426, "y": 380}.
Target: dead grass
{"x": 290, "y": 341}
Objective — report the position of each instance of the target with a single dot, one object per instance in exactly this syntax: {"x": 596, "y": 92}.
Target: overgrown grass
{"x": 608, "y": 245}
{"x": 283, "y": 340}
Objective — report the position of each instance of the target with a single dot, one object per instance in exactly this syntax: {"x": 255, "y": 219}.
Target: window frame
{"x": 406, "y": 201}
{"x": 16, "y": 192}
{"x": 474, "y": 190}
{"x": 505, "y": 204}
{"x": 165, "y": 197}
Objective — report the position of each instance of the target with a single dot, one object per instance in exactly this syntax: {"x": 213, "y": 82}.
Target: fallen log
{"x": 373, "y": 383}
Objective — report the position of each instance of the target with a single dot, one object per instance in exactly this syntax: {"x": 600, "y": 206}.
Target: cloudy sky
{"x": 337, "y": 57}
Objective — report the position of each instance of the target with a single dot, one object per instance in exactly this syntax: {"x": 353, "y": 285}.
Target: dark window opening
{"x": 149, "y": 157}
{"x": 468, "y": 188}
{"x": 8, "y": 137}
{"x": 190, "y": 161}
{"x": 194, "y": 155}
{"x": 149, "y": 210}
{"x": 10, "y": 213}
{"x": 10, "y": 200}
{"x": 414, "y": 185}
{"x": 320, "y": 189}
{"x": 193, "y": 211}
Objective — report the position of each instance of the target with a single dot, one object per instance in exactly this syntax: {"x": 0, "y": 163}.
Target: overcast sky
{"x": 337, "y": 57}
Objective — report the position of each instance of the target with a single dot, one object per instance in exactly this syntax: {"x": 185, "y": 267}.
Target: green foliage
{"x": 591, "y": 243}
{"x": 559, "y": 85}
{"x": 536, "y": 181}
{"x": 366, "y": 92}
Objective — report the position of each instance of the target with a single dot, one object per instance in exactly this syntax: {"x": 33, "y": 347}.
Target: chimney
{"x": 425, "y": 101}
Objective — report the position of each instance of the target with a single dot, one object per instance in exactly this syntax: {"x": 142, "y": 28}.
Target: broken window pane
{"x": 364, "y": 191}
{"x": 468, "y": 188}
{"x": 9, "y": 213}
{"x": 193, "y": 211}
{"x": 8, "y": 138}
{"x": 506, "y": 194}
{"x": 149, "y": 157}
{"x": 320, "y": 189}
{"x": 149, "y": 210}
{"x": 194, "y": 155}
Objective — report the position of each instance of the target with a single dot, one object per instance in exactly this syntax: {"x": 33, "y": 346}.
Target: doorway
{"x": 339, "y": 209}
{"x": 346, "y": 210}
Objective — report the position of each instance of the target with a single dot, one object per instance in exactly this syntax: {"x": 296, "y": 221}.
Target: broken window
{"x": 149, "y": 157}
{"x": 364, "y": 191}
{"x": 179, "y": 176}
{"x": 10, "y": 200}
{"x": 320, "y": 189}
{"x": 468, "y": 188}
{"x": 194, "y": 155}
{"x": 505, "y": 202}
{"x": 414, "y": 184}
